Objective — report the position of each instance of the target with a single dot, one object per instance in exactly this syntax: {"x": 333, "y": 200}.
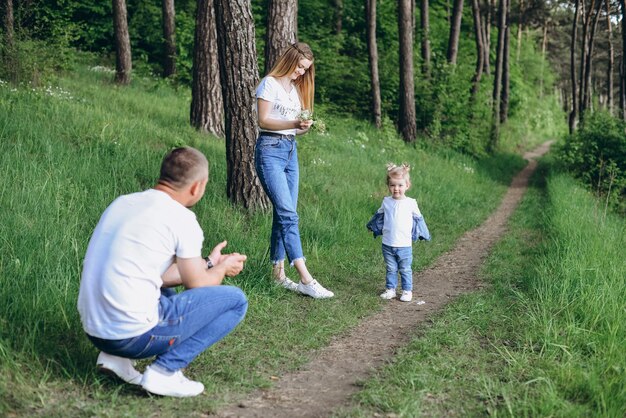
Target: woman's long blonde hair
{"x": 287, "y": 64}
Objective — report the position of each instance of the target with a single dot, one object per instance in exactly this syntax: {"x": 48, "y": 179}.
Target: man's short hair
{"x": 182, "y": 166}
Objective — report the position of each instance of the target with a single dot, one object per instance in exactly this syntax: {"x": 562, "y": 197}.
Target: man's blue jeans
{"x": 398, "y": 260}
{"x": 276, "y": 162}
{"x": 189, "y": 322}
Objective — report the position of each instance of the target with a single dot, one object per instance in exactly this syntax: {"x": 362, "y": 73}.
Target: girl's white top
{"x": 398, "y": 221}
{"x": 285, "y": 106}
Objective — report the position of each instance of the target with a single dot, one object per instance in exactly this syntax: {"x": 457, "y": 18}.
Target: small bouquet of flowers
{"x": 318, "y": 125}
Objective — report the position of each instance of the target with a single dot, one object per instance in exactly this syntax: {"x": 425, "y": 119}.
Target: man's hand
{"x": 216, "y": 254}
{"x": 233, "y": 263}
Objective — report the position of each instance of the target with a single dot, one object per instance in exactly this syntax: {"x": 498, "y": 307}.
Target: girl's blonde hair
{"x": 399, "y": 171}
{"x": 287, "y": 64}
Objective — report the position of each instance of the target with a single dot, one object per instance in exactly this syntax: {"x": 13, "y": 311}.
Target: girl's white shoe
{"x": 388, "y": 294}
{"x": 407, "y": 296}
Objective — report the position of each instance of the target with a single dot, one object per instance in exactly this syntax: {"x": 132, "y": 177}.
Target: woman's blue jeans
{"x": 276, "y": 162}
{"x": 398, "y": 260}
{"x": 189, "y": 322}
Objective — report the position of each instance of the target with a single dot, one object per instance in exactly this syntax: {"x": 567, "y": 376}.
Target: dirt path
{"x": 332, "y": 376}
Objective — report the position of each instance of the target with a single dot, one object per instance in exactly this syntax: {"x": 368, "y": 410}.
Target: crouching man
{"x": 144, "y": 244}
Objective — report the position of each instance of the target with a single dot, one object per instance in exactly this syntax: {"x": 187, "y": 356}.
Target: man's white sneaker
{"x": 388, "y": 294}
{"x": 407, "y": 296}
{"x": 173, "y": 385}
{"x": 287, "y": 283}
{"x": 315, "y": 290}
{"x": 118, "y": 366}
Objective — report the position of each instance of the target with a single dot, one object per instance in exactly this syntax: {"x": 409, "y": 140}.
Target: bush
{"x": 596, "y": 154}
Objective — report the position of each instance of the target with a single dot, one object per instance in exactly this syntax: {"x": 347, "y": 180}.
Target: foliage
{"x": 596, "y": 154}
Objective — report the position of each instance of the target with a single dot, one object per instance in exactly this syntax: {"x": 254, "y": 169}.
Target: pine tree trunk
{"x": 587, "y": 90}
{"x": 338, "y": 16}
{"x": 425, "y": 27}
{"x": 487, "y": 39}
{"x": 520, "y": 29}
{"x": 8, "y": 55}
{"x": 573, "y": 116}
{"x": 372, "y": 48}
{"x": 239, "y": 75}
{"x": 123, "y": 62}
{"x": 455, "y": 31}
{"x": 480, "y": 55}
{"x": 282, "y": 29}
{"x": 497, "y": 80}
{"x": 169, "y": 36}
{"x": 622, "y": 79}
{"x": 506, "y": 85}
{"x": 207, "y": 104}
{"x": 611, "y": 59}
{"x": 544, "y": 47}
{"x": 407, "y": 124}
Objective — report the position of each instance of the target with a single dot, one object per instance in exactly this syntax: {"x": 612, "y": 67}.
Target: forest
{"x": 92, "y": 95}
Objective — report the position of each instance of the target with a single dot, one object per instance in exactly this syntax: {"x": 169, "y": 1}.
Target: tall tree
{"x": 406, "y": 124}
{"x": 455, "y": 31}
{"x": 506, "y": 82}
{"x": 169, "y": 36}
{"x": 497, "y": 79}
{"x": 207, "y": 105}
{"x": 573, "y": 116}
{"x": 123, "y": 62}
{"x": 338, "y": 16}
{"x": 480, "y": 45}
{"x": 425, "y": 28}
{"x": 239, "y": 75}
{"x": 611, "y": 59}
{"x": 8, "y": 55}
{"x": 282, "y": 29}
{"x": 591, "y": 23}
{"x": 487, "y": 36}
{"x": 372, "y": 49}
{"x": 622, "y": 80}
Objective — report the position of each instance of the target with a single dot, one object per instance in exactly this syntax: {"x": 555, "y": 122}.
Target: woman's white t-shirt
{"x": 398, "y": 223}
{"x": 133, "y": 244}
{"x": 285, "y": 106}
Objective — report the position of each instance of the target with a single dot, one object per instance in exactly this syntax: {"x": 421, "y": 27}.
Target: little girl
{"x": 400, "y": 222}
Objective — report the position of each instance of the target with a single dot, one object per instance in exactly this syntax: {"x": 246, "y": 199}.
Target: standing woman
{"x": 281, "y": 96}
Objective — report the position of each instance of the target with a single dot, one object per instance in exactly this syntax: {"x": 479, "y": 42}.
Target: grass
{"x": 70, "y": 149}
{"x": 546, "y": 338}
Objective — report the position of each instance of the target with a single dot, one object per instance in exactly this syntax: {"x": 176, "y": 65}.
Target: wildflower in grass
{"x": 318, "y": 126}
{"x": 102, "y": 69}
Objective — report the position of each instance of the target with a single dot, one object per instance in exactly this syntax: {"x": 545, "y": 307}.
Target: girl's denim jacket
{"x": 419, "y": 232}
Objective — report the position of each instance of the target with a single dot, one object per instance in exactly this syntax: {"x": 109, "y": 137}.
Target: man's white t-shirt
{"x": 285, "y": 106}
{"x": 134, "y": 243}
{"x": 398, "y": 224}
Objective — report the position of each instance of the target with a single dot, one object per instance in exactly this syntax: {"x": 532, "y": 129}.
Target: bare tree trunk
{"x": 407, "y": 123}
{"x": 282, "y": 29}
{"x": 506, "y": 85}
{"x": 588, "y": 60}
{"x": 425, "y": 27}
{"x": 239, "y": 75}
{"x": 169, "y": 36}
{"x": 573, "y": 116}
{"x": 372, "y": 49}
{"x": 544, "y": 47}
{"x": 338, "y": 16}
{"x": 123, "y": 62}
{"x": 480, "y": 55}
{"x": 207, "y": 104}
{"x": 497, "y": 81}
{"x": 455, "y": 31}
{"x": 520, "y": 26}
{"x": 609, "y": 69}
{"x": 9, "y": 55}
{"x": 487, "y": 38}
{"x": 622, "y": 79}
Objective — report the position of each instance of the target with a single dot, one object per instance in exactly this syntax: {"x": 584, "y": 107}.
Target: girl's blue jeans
{"x": 189, "y": 322}
{"x": 276, "y": 162}
{"x": 398, "y": 260}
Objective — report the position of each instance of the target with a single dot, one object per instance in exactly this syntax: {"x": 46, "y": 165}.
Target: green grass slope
{"x": 69, "y": 149}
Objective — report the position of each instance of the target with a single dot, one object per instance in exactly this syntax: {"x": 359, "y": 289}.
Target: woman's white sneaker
{"x": 287, "y": 283}
{"x": 388, "y": 294}
{"x": 315, "y": 290}
{"x": 407, "y": 296}
{"x": 118, "y": 366}
{"x": 175, "y": 384}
